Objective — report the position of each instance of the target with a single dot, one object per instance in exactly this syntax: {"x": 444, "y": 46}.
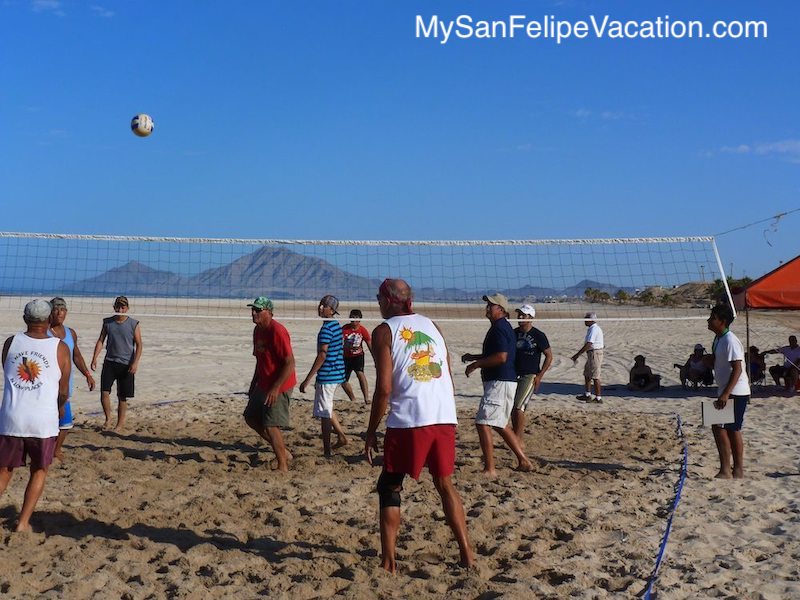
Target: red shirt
{"x": 353, "y": 336}
{"x": 271, "y": 347}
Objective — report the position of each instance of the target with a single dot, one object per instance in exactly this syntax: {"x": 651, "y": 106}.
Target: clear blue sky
{"x": 324, "y": 119}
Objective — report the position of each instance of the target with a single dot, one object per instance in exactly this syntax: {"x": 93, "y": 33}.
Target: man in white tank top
{"x": 36, "y": 370}
{"x": 414, "y": 382}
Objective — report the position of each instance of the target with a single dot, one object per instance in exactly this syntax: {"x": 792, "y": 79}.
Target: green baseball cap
{"x": 262, "y": 302}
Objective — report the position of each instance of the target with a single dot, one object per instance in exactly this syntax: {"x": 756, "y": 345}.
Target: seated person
{"x": 791, "y": 363}
{"x": 697, "y": 369}
{"x": 642, "y": 378}
{"x": 757, "y": 365}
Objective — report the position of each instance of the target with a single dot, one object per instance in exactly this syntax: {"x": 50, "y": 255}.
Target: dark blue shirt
{"x": 530, "y": 345}
{"x": 500, "y": 338}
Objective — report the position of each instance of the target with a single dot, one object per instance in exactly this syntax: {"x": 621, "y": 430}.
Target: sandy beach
{"x": 183, "y": 504}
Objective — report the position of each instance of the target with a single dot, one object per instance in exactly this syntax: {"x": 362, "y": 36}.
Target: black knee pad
{"x": 387, "y": 494}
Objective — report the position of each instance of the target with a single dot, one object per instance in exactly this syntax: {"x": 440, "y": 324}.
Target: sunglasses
{"x": 256, "y": 310}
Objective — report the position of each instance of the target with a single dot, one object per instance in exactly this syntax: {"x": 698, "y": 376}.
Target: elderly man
{"x": 732, "y": 386}
{"x": 499, "y": 377}
{"x": 123, "y": 352}
{"x": 791, "y": 364}
{"x": 532, "y": 344}
{"x": 329, "y": 369}
{"x": 415, "y": 383}
{"x": 36, "y": 370}
{"x": 593, "y": 345}
{"x": 66, "y": 334}
{"x": 271, "y": 387}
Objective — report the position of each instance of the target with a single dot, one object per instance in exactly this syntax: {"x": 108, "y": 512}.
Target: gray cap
{"x": 58, "y": 302}
{"x": 38, "y": 310}
{"x": 331, "y": 302}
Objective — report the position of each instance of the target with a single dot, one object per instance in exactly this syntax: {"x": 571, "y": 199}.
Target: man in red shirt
{"x": 268, "y": 398}
{"x": 354, "y": 335}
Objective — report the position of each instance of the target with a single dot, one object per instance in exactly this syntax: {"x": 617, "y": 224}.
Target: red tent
{"x": 778, "y": 289}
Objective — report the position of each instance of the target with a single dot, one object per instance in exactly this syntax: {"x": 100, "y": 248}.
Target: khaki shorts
{"x": 524, "y": 391}
{"x": 276, "y": 415}
{"x": 496, "y": 403}
{"x": 594, "y": 360}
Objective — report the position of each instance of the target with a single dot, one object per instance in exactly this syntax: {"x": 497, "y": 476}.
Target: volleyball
{"x": 142, "y": 125}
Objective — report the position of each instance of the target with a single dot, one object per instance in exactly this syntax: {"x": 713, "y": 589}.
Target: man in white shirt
{"x": 414, "y": 383}
{"x": 36, "y": 370}
{"x": 593, "y": 347}
{"x": 733, "y": 386}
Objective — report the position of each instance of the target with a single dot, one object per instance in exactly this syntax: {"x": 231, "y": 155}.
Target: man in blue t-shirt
{"x": 329, "y": 369}
{"x": 499, "y": 377}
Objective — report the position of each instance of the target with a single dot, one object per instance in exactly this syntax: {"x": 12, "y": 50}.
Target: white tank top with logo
{"x": 422, "y": 389}
{"x": 30, "y": 393}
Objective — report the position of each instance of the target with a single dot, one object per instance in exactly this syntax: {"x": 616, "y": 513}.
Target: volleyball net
{"x": 622, "y": 278}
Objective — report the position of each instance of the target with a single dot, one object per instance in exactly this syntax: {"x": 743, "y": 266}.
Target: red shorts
{"x": 408, "y": 450}
{"x": 15, "y": 450}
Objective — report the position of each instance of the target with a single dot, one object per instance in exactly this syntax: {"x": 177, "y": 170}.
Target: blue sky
{"x": 299, "y": 119}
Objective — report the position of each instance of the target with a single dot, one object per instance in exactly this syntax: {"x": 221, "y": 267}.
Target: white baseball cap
{"x": 527, "y": 309}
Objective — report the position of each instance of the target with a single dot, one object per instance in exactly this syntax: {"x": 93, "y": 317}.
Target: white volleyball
{"x": 142, "y": 125}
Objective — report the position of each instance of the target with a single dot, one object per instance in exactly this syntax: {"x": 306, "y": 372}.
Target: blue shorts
{"x": 739, "y": 406}
{"x": 65, "y": 422}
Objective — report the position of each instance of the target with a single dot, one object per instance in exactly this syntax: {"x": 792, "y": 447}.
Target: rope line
{"x": 647, "y": 594}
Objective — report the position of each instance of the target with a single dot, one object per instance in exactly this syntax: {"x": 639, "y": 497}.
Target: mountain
{"x": 281, "y": 273}
{"x": 133, "y": 278}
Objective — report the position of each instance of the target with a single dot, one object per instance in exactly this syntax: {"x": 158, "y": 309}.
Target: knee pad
{"x": 388, "y": 488}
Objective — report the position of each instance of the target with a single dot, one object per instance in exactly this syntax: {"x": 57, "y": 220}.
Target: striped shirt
{"x": 332, "y": 370}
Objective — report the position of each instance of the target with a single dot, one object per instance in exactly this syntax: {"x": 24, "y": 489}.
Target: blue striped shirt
{"x": 332, "y": 370}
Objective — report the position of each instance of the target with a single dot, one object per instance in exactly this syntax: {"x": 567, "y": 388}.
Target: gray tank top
{"x": 120, "y": 347}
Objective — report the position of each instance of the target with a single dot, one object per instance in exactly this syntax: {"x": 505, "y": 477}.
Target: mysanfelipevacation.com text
{"x": 551, "y": 28}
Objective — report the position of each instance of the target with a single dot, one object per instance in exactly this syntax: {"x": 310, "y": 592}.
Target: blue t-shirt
{"x": 530, "y": 345}
{"x": 332, "y": 370}
{"x": 500, "y": 338}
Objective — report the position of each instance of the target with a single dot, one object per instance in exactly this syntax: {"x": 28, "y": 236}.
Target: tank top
{"x": 120, "y": 344}
{"x": 70, "y": 342}
{"x": 422, "y": 389}
{"x": 30, "y": 393}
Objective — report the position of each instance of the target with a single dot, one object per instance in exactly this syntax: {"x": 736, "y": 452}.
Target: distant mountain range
{"x": 283, "y": 274}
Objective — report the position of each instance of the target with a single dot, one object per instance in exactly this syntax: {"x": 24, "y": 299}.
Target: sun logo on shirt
{"x": 406, "y": 334}
{"x": 28, "y": 370}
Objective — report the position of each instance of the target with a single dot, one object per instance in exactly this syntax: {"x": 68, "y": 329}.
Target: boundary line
{"x": 678, "y": 490}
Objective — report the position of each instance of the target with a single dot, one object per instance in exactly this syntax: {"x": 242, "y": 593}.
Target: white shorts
{"x": 323, "y": 400}
{"x": 496, "y": 403}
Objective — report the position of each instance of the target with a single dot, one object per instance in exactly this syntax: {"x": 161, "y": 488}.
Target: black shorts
{"x": 113, "y": 371}
{"x": 353, "y": 363}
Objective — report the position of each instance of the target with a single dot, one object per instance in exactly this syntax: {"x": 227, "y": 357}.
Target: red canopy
{"x": 778, "y": 289}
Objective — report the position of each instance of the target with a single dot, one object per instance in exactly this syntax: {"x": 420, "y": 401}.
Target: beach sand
{"x": 184, "y": 504}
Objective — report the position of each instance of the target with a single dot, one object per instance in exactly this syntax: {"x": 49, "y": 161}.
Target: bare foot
{"x": 723, "y": 475}
{"x": 389, "y": 565}
{"x": 118, "y": 429}
{"x": 525, "y": 467}
{"x": 58, "y": 455}
{"x": 738, "y": 473}
{"x": 342, "y": 441}
{"x": 276, "y": 466}
{"x": 106, "y": 425}
{"x": 489, "y": 473}
{"x": 23, "y": 528}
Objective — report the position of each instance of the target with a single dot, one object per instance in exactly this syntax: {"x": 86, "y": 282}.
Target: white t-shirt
{"x": 726, "y": 349}
{"x": 422, "y": 389}
{"x": 30, "y": 393}
{"x": 595, "y": 335}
